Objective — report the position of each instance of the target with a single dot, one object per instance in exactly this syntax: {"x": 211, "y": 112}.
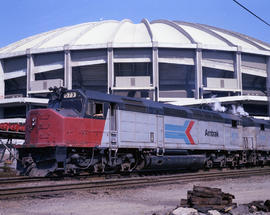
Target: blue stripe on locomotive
{"x": 177, "y": 131}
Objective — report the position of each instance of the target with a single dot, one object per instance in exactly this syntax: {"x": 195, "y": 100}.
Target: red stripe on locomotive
{"x": 188, "y": 132}
{"x": 46, "y": 127}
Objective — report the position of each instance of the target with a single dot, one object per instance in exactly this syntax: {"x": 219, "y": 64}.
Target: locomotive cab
{"x": 72, "y": 124}
{"x": 68, "y": 100}
{"x": 79, "y": 103}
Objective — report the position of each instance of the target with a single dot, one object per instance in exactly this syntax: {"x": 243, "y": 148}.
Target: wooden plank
{"x": 208, "y": 201}
{"x": 203, "y": 194}
{"x": 207, "y": 190}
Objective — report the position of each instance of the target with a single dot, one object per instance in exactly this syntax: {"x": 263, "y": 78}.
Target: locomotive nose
{"x": 43, "y": 127}
{"x": 49, "y": 127}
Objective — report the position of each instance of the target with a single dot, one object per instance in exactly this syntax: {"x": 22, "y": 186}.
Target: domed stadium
{"x": 168, "y": 61}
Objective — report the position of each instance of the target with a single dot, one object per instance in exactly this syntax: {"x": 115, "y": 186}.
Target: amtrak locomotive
{"x": 100, "y": 133}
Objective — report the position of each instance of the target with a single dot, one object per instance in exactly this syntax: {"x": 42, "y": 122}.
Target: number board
{"x": 69, "y": 95}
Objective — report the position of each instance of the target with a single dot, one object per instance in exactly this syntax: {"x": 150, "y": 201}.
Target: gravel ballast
{"x": 159, "y": 199}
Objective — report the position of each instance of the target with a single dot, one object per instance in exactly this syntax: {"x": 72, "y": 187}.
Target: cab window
{"x": 89, "y": 108}
{"x": 234, "y": 124}
{"x": 98, "y": 110}
{"x": 72, "y": 100}
{"x": 95, "y": 109}
{"x": 74, "y": 104}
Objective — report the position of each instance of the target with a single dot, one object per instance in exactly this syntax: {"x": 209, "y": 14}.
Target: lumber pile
{"x": 206, "y": 198}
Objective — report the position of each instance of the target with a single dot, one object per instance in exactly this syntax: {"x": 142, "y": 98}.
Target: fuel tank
{"x": 176, "y": 162}
{"x": 50, "y": 127}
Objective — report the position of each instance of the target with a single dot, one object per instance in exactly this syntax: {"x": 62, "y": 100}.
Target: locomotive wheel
{"x": 222, "y": 163}
{"x": 209, "y": 164}
{"x": 233, "y": 164}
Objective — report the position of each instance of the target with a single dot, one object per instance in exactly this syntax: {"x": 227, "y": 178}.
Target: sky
{"x": 23, "y": 18}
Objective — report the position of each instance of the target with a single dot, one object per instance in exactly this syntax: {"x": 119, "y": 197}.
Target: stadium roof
{"x": 161, "y": 33}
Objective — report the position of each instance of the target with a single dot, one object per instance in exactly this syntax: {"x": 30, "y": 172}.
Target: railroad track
{"x": 21, "y": 179}
{"x": 128, "y": 182}
{"x": 29, "y": 179}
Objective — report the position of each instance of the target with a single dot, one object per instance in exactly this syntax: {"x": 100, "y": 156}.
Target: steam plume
{"x": 216, "y": 105}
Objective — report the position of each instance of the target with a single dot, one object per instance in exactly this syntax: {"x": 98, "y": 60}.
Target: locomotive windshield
{"x": 72, "y": 100}
{"x": 74, "y": 104}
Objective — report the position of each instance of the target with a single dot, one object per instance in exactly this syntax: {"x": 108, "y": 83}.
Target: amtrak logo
{"x": 180, "y": 131}
{"x": 211, "y": 133}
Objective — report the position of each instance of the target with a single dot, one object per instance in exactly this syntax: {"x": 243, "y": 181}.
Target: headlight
{"x": 33, "y": 122}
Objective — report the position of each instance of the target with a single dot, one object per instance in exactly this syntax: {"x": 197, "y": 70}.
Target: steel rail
{"x": 27, "y": 179}
{"x": 21, "y": 179}
{"x": 130, "y": 182}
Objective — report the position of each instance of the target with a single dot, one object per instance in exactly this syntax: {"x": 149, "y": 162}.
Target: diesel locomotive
{"x": 88, "y": 131}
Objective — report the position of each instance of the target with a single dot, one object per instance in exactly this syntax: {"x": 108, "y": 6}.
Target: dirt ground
{"x": 159, "y": 199}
